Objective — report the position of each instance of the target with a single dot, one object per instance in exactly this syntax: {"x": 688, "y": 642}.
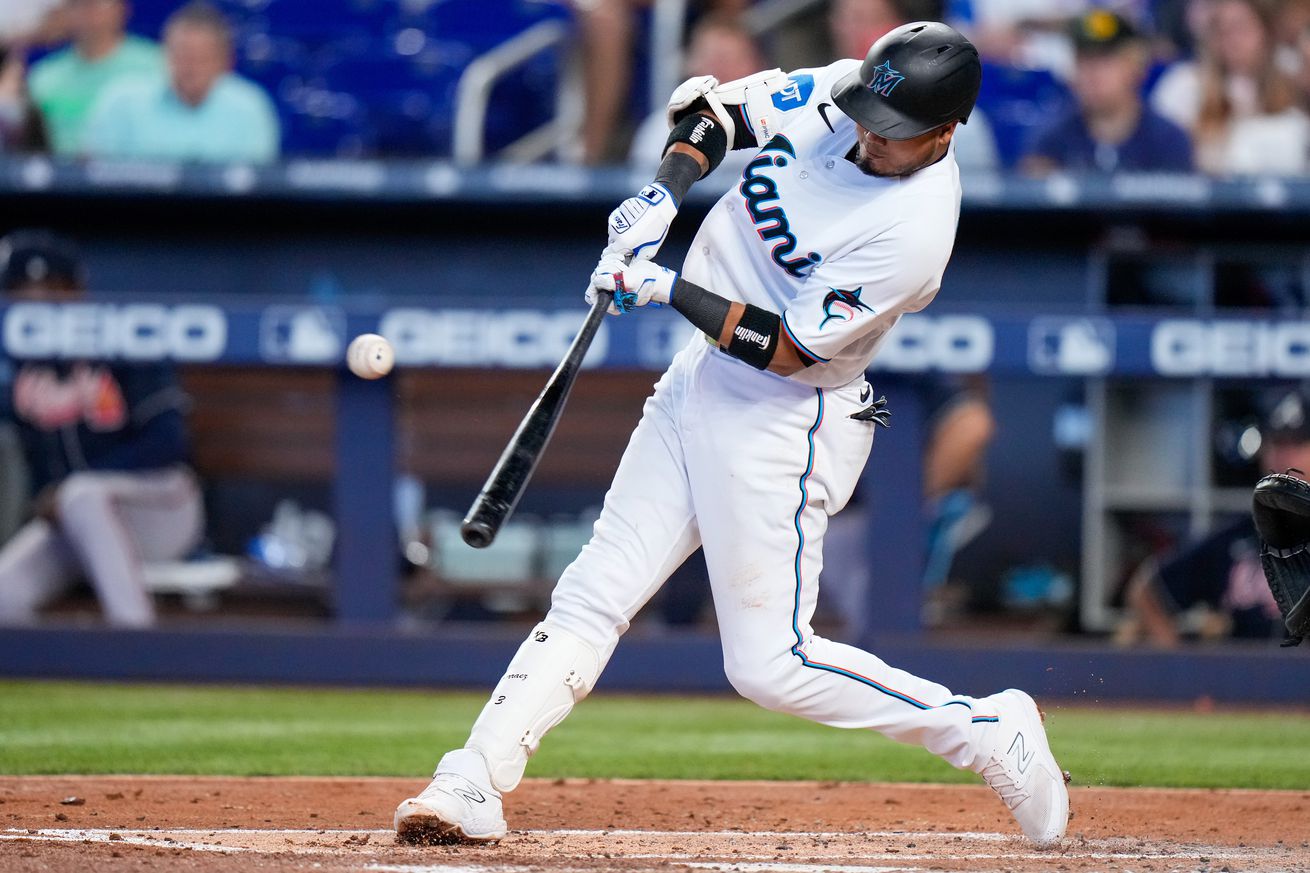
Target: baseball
{"x": 370, "y": 356}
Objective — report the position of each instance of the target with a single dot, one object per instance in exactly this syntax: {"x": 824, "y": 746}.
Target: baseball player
{"x": 106, "y": 447}
{"x": 842, "y": 222}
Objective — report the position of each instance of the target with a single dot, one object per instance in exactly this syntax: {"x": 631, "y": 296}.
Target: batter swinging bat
{"x": 508, "y": 478}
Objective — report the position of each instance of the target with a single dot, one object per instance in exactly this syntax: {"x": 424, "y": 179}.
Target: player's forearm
{"x": 681, "y": 167}
{"x": 748, "y": 333}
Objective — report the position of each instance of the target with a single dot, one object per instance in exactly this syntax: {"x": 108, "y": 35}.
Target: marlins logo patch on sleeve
{"x": 842, "y": 305}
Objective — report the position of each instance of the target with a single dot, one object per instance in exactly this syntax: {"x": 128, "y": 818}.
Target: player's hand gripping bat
{"x": 510, "y": 476}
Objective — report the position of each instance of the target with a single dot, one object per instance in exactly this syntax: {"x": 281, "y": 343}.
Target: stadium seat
{"x": 357, "y": 77}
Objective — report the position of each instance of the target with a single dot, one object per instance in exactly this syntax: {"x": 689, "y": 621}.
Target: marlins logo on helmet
{"x": 885, "y": 79}
{"x": 842, "y": 305}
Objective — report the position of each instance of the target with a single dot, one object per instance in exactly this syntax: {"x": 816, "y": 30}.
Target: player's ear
{"x": 946, "y": 132}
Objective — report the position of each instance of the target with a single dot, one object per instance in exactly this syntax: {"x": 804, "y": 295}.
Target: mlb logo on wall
{"x": 1071, "y": 346}
{"x": 302, "y": 334}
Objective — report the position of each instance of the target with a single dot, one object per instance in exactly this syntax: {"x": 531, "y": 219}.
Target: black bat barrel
{"x": 510, "y": 476}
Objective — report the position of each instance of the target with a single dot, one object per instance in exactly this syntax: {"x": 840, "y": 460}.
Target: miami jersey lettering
{"x": 841, "y": 255}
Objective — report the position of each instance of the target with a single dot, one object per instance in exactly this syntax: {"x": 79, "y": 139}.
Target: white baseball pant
{"x": 107, "y": 524}
{"x": 750, "y": 465}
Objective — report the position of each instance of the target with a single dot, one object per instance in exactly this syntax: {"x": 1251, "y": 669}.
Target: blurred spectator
{"x": 30, "y": 22}
{"x": 607, "y": 53}
{"x": 719, "y": 46}
{"x": 1302, "y": 78}
{"x": 200, "y": 111}
{"x": 21, "y": 129}
{"x": 65, "y": 85}
{"x": 106, "y": 448}
{"x": 1110, "y": 129}
{"x": 1290, "y": 24}
{"x": 958, "y": 428}
{"x": 1222, "y": 572}
{"x": 1240, "y": 108}
{"x": 608, "y": 31}
{"x": 1028, "y": 34}
{"x": 854, "y": 25}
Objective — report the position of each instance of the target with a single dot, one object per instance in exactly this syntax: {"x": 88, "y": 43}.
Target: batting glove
{"x": 632, "y": 285}
{"x": 640, "y": 224}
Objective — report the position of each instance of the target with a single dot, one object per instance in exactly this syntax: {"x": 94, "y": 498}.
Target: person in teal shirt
{"x": 66, "y": 84}
{"x": 199, "y": 111}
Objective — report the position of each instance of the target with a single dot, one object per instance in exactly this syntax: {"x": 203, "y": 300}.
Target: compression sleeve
{"x": 678, "y": 172}
{"x": 705, "y": 310}
{"x": 755, "y": 336}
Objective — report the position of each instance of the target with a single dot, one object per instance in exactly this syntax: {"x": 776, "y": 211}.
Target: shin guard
{"x": 551, "y": 671}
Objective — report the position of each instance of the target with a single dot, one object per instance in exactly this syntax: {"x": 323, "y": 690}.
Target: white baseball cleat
{"x": 458, "y": 806}
{"x": 1019, "y": 766}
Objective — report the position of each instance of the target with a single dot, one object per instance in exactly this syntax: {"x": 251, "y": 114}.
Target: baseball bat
{"x": 510, "y": 476}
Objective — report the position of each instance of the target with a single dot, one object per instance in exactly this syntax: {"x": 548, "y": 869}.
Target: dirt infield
{"x": 213, "y": 824}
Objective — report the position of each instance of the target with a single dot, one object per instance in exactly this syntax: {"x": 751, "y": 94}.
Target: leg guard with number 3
{"x": 551, "y": 671}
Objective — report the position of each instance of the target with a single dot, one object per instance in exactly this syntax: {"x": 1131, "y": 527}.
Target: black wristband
{"x": 755, "y": 338}
{"x": 706, "y": 310}
{"x": 678, "y": 171}
{"x": 703, "y": 133}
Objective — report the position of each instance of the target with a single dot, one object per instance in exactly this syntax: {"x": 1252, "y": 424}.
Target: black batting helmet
{"x": 917, "y": 77}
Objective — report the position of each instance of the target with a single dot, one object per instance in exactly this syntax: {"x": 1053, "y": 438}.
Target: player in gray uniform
{"x": 106, "y": 446}
{"x": 842, "y": 222}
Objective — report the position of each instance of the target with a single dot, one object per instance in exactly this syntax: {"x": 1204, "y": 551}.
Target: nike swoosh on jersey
{"x": 823, "y": 111}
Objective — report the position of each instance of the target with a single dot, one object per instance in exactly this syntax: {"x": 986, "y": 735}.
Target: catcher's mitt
{"x": 1281, "y": 509}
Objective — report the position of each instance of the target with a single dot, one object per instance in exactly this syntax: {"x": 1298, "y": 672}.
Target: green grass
{"x": 57, "y": 727}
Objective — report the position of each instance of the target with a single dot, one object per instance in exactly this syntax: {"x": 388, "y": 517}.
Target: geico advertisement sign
{"x": 474, "y": 337}
{"x": 135, "y": 331}
{"x": 949, "y": 343}
{"x": 1231, "y": 348}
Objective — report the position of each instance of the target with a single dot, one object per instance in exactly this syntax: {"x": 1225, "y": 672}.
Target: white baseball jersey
{"x": 840, "y": 254}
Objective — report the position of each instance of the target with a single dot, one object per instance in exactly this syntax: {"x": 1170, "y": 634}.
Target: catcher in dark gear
{"x": 1226, "y": 571}
{"x": 1281, "y": 512}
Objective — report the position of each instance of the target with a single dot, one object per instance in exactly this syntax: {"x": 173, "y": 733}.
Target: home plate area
{"x": 178, "y": 823}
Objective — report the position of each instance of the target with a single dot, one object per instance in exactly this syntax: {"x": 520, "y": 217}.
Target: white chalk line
{"x": 725, "y": 866}
{"x": 193, "y": 840}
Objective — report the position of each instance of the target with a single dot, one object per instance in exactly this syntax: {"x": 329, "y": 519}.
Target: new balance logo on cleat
{"x": 472, "y": 795}
{"x": 1017, "y": 748}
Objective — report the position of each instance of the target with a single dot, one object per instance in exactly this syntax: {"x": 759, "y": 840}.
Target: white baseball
{"x": 370, "y": 356}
